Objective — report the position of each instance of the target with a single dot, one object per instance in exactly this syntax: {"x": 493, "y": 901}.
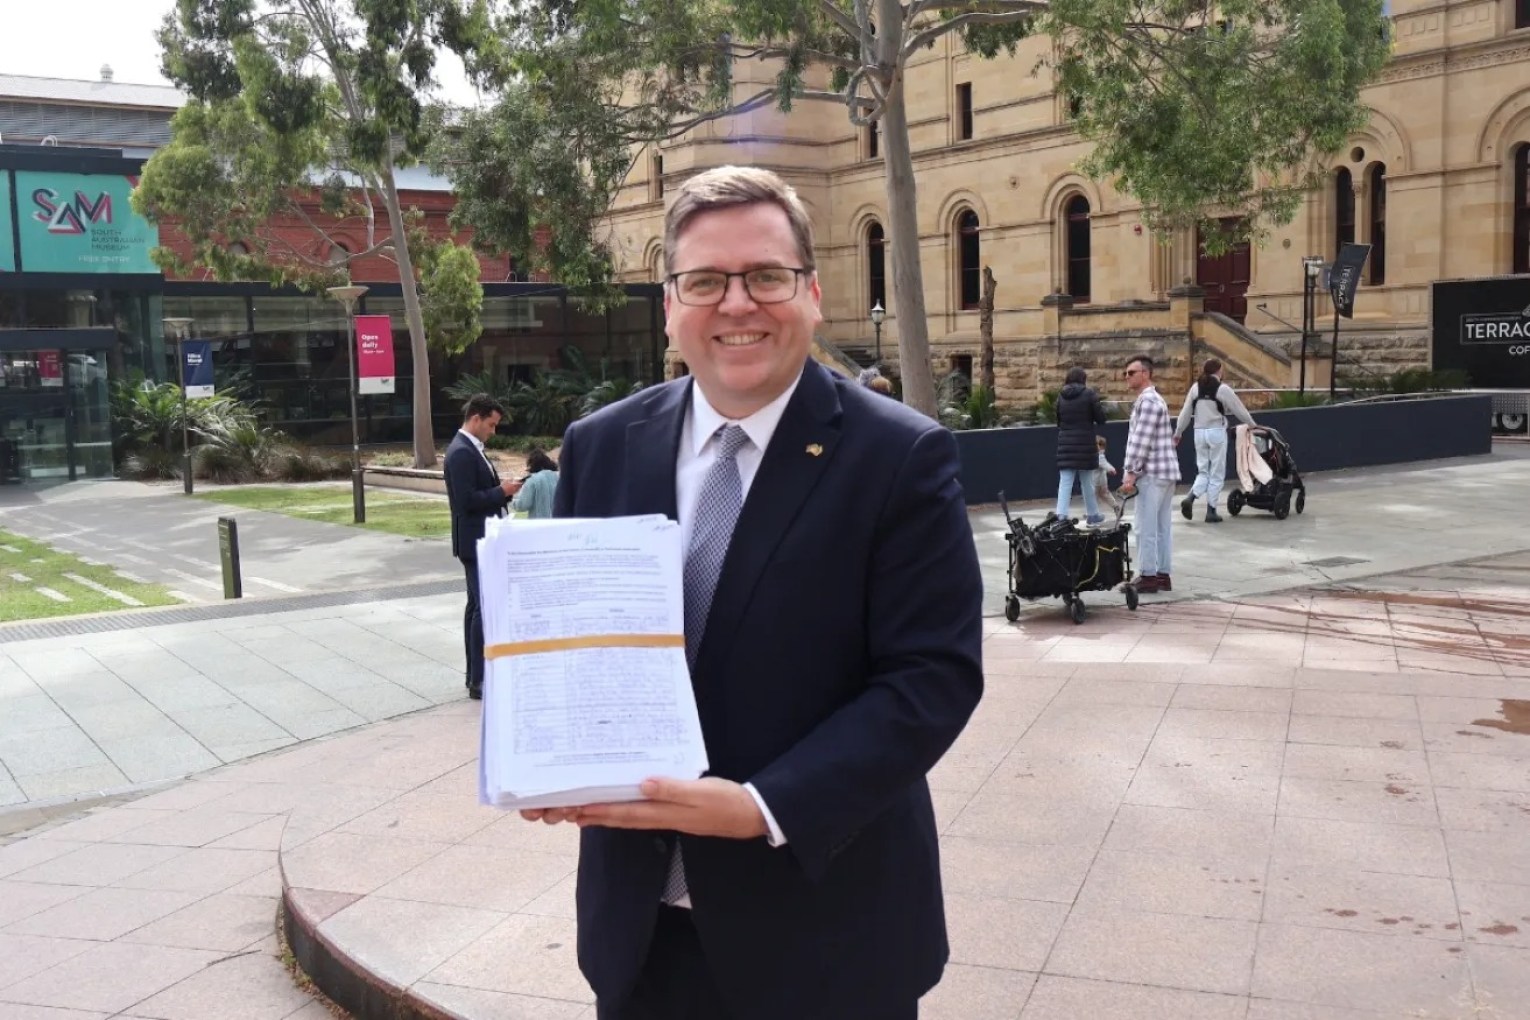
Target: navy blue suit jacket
{"x": 472, "y": 489}
{"x": 842, "y": 657}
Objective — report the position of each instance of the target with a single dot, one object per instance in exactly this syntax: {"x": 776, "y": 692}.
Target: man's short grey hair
{"x": 727, "y": 187}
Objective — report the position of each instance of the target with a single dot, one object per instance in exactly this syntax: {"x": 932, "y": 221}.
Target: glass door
{"x": 55, "y": 424}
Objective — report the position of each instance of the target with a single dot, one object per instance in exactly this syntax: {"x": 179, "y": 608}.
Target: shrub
{"x": 151, "y": 463}
{"x": 1287, "y": 399}
{"x": 225, "y": 465}
{"x": 295, "y": 464}
{"x": 521, "y": 444}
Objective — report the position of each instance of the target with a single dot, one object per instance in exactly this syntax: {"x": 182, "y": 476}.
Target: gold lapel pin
{"x": 814, "y": 449}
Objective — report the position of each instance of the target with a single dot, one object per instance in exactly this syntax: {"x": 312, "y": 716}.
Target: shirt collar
{"x": 472, "y": 439}
{"x": 759, "y": 426}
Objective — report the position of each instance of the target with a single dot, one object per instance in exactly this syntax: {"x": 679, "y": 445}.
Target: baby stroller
{"x": 1275, "y": 495}
{"x": 1058, "y": 559}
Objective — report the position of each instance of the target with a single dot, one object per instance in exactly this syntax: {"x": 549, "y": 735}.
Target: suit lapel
{"x": 786, "y": 477}
{"x": 653, "y": 445}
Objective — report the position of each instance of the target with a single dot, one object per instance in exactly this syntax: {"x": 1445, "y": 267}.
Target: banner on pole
{"x": 198, "y": 367}
{"x": 1344, "y": 277}
{"x": 50, "y": 368}
{"x": 374, "y": 354}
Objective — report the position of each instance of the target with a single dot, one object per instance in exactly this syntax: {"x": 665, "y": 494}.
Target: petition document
{"x": 586, "y": 689}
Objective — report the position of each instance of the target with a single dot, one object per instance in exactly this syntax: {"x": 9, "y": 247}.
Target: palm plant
{"x": 608, "y": 392}
{"x": 480, "y": 382}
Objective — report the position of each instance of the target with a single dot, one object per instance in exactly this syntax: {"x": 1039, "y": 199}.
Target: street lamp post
{"x": 181, "y": 329}
{"x": 348, "y": 296}
{"x": 1312, "y": 268}
{"x": 878, "y": 313}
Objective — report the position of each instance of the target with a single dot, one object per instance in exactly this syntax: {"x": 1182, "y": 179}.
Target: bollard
{"x": 228, "y": 553}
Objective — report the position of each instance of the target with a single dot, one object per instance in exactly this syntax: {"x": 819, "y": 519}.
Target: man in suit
{"x": 475, "y": 493}
{"x": 835, "y": 657}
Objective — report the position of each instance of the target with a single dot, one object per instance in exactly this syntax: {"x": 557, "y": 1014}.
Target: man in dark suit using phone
{"x": 833, "y": 630}
{"x": 475, "y": 493}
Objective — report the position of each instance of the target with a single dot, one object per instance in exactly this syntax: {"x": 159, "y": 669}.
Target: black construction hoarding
{"x": 1482, "y": 327}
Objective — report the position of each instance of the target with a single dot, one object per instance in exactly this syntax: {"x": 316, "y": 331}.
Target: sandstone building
{"x": 1438, "y": 183}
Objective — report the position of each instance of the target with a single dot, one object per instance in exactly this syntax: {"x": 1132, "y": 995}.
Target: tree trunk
{"x": 419, "y": 348}
{"x": 903, "y": 224}
{"x": 985, "y": 329}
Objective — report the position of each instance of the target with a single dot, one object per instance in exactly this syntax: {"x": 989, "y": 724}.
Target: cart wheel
{"x": 1282, "y": 507}
{"x": 1011, "y": 609}
{"x": 1131, "y": 597}
{"x": 1235, "y": 502}
{"x": 1301, "y": 500}
{"x": 1077, "y": 611}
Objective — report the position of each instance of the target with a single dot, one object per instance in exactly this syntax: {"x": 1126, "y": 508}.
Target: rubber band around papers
{"x": 587, "y": 641}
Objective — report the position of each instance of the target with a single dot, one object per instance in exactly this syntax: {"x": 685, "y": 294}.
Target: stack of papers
{"x": 586, "y": 691}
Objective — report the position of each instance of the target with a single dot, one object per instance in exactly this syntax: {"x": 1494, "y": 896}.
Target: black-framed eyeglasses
{"x": 771, "y": 285}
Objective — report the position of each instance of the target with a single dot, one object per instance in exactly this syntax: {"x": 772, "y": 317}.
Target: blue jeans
{"x": 1155, "y": 518}
{"x": 1085, "y": 479}
{"x": 1210, "y": 464}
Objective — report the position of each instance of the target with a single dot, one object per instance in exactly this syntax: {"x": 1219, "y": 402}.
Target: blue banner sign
{"x": 197, "y": 367}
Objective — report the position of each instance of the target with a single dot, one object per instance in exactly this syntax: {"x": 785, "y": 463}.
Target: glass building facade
{"x": 79, "y": 315}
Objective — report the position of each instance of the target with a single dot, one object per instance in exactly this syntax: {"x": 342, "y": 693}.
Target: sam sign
{"x": 374, "y": 354}
{"x": 198, "y": 367}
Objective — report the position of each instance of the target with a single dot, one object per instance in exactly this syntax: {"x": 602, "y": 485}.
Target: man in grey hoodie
{"x": 1209, "y": 403}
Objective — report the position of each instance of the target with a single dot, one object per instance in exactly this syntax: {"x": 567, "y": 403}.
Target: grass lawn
{"x": 399, "y": 513}
{"x": 30, "y": 571}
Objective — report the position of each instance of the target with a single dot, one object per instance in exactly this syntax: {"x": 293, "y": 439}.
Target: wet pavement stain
{"x": 1500, "y": 929}
{"x": 1516, "y": 717}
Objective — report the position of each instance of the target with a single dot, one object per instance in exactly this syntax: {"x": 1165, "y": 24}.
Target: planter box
{"x": 1022, "y": 462}
{"x": 411, "y": 479}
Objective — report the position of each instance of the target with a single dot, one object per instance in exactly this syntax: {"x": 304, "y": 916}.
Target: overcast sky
{"x": 73, "y": 38}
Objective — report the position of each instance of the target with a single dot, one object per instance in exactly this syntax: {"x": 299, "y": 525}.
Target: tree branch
{"x": 1023, "y": 9}
{"x": 839, "y": 17}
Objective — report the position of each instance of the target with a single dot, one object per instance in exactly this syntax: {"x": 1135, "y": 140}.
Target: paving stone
{"x": 524, "y": 955}
{"x": 250, "y": 987}
{"x": 109, "y": 977}
{"x": 223, "y": 922}
{"x": 97, "y": 864}
{"x": 1325, "y": 967}
{"x": 402, "y": 940}
{"x": 977, "y": 993}
{"x": 1199, "y": 885}
{"x": 20, "y": 900}
{"x": 204, "y": 870}
{"x": 21, "y": 956}
{"x": 102, "y": 914}
{"x": 1065, "y": 998}
{"x": 1169, "y": 950}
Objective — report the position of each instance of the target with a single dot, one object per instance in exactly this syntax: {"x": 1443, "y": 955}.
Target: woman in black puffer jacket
{"x": 1078, "y": 412}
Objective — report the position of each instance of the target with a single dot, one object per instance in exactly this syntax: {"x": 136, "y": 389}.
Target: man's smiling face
{"x": 743, "y": 354}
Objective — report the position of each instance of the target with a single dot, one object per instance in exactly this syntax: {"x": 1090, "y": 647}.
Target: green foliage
{"x": 294, "y": 464}
{"x": 235, "y": 450}
{"x": 451, "y": 296}
{"x": 1287, "y": 399}
{"x": 607, "y": 392}
{"x": 301, "y": 111}
{"x": 964, "y": 406}
{"x": 1198, "y": 119}
{"x": 473, "y": 383}
{"x": 1045, "y": 411}
{"x": 522, "y": 444}
{"x": 546, "y": 406}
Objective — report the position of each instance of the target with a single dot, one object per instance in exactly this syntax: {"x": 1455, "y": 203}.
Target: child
{"x": 1101, "y": 483}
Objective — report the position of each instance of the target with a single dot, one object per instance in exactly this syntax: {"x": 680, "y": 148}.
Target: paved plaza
{"x": 1298, "y": 789}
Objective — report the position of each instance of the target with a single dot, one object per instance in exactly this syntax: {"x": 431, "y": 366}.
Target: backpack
{"x": 1201, "y": 393}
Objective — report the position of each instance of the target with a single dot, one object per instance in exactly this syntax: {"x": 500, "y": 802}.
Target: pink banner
{"x": 374, "y": 354}
{"x": 50, "y": 368}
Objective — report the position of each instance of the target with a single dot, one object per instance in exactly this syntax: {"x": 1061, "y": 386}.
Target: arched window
{"x": 876, "y": 265}
{"x": 1344, "y": 209}
{"x": 1376, "y": 185}
{"x": 339, "y": 254}
{"x": 969, "y": 260}
{"x": 1076, "y": 241}
{"x": 1522, "y": 209}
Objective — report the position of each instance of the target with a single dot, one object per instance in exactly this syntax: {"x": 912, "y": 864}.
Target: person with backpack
{"x": 1209, "y": 404}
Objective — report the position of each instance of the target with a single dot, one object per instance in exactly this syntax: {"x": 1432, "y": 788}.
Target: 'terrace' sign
{"x": 1482, "y": 327}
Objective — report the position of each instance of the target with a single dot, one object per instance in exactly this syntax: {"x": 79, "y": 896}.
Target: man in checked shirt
{"x": 1151, "y": 467}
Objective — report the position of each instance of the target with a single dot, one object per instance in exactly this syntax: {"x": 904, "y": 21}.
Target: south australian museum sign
{"x": 78, "y": 223}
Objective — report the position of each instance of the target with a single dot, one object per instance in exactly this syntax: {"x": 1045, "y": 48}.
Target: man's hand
{"x": 1129, "y": 482}
{"x": 701, "y": 807}
{"x": 1176, "y": 440}
{"x": 510, "y": 486}
{"x": 552, "y": 816}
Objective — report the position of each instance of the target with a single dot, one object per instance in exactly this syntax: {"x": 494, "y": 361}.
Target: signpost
{"x": 1343, "y": 281}
{"x": 228, "y": 554}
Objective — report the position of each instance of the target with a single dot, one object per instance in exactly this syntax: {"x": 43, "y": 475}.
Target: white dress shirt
{"x": 697, "y": 453}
